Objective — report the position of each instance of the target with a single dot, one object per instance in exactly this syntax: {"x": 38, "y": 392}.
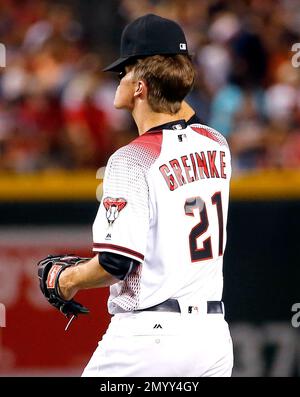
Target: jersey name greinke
{"x": 190, "y": 168}
{"x": 165, "y": 201}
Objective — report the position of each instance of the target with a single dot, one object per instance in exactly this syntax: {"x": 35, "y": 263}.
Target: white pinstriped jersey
{"x": 165, "y": 202}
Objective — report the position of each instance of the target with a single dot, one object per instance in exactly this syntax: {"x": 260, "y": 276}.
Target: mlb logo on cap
{"x": 182, "y": 46}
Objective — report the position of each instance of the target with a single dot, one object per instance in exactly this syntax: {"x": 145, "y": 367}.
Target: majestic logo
{"x": 113, "y": 207}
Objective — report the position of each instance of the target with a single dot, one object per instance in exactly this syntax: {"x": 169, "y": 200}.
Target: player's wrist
{"x": 66, "y": 283}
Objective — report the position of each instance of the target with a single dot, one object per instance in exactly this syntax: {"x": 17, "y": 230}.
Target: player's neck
{"x": 147, "y": 119}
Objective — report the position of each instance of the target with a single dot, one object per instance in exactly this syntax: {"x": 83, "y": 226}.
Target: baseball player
{"x": 160, "y": 231}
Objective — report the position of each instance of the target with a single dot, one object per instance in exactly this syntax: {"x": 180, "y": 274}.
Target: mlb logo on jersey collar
{"x": 177, "y": 127}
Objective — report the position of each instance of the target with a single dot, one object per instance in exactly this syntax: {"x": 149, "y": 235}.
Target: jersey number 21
{"x": 201, "y": 254}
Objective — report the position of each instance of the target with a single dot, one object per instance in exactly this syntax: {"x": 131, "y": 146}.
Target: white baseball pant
{"x": 163, "y": 344}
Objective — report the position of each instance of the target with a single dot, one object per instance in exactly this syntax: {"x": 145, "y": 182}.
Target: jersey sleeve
{"x": 122, "y": 222}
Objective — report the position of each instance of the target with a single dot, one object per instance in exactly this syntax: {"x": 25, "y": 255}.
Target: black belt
{"x": 172, "y": 305}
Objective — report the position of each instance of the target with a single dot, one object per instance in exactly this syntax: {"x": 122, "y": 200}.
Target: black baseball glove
{"x": 49, "y": 270}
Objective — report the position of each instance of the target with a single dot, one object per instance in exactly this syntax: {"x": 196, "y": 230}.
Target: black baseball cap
{"x": 149, "y": 35}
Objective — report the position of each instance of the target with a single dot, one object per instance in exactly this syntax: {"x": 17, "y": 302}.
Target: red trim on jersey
{"x": 119, "y": 248}
{"x": 150, "y": 140}
{"x": 204, "y": 132}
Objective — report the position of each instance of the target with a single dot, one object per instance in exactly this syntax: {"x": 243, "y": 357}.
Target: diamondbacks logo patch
{"x": 113, "y": 208}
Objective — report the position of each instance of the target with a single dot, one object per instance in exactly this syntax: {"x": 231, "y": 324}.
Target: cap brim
{"x": 118, "y": 65}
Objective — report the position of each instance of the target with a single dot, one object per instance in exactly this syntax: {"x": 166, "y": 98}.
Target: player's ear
{"x": 140, "y": 89}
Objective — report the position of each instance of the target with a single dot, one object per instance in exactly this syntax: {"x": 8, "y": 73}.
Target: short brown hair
{"x": 169, "y": 78}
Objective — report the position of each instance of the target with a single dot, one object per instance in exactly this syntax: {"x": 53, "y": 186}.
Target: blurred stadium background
{"x": 58, "y": 128}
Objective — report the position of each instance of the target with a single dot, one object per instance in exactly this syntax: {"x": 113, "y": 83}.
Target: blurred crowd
{"x": 56, "y": 106}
